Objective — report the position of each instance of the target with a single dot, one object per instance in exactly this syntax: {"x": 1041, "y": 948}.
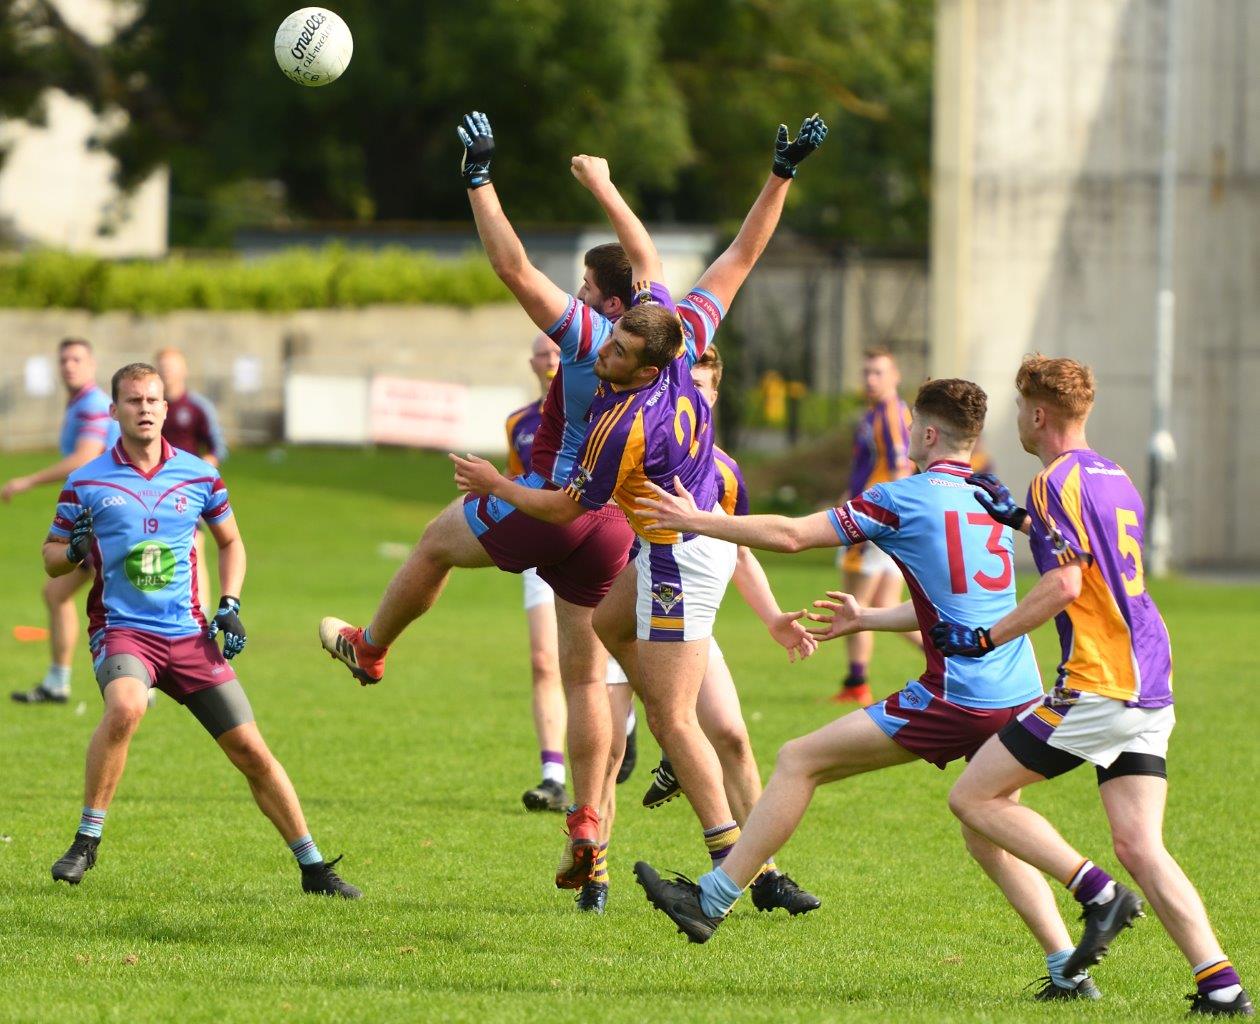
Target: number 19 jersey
{"x": 959, "y": 565}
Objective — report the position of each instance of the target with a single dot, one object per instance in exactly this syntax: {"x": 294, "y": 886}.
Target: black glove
{"x": 81, "y": 535}
{"x": 996, "y": 499}
{"x": 478, "y": 142}
{"x": 789, "y": 153}
{"x": 963, "y": 641}
{"x": 228, "y": 622}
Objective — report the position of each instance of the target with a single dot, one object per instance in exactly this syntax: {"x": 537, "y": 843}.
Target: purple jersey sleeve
{"x": 1054, "y": 499}
{"x": 217, "y": 507}
{"x": 870, "y": 516}
{"x": 614, "y": 445}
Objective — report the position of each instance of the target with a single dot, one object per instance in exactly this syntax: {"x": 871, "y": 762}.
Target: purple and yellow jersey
{"x": 145, "y": 522}
{"x": 960, "y": 566}
{"x": 732, "y": 491}
{"x": 1084, "y": 507}
{"x": 880, "y": 446}
{"x": 87, "y": 416}
{"x": 656, "y": 432}
{"x": 522, "y": 428}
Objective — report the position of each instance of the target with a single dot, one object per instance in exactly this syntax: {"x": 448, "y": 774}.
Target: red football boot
{"x": 345, "y": 644}
{"x": 859, "y": 694}
{"x": 577, "y": 864}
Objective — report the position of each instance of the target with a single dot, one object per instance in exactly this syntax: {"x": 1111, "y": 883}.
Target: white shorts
{"x": 680, "y": 587}
{"x": 617, "y": 675}
{"x": 536, "y": 591}
{"x": 866, "y": 559}
{"x": 1099, "y": 729}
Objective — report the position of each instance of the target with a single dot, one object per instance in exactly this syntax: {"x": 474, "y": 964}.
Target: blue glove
{"x": 996, "y": 499}
{"x": 478, "y": 142}
{"x": 789, "y": 153}
{"x": 952, "y": 639}
{"x": 81, "y": 535}
{"x": 228, "y": 622}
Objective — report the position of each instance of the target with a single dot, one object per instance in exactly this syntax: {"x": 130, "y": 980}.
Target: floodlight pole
{"x": 1163, "y": 448}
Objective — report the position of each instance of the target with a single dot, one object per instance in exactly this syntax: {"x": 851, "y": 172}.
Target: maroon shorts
{"x": 932, "y": 728}
{"x": 579, "y": 560}
{"x": 179, "y": 668}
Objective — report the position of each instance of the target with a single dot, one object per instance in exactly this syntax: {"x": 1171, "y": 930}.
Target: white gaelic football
{"x": 313, "y": 46}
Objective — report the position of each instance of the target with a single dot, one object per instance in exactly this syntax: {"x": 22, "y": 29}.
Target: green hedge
{"x": 333, "y": 277}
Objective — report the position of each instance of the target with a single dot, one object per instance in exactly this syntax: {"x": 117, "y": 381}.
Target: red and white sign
{"x": 417, "y": 413}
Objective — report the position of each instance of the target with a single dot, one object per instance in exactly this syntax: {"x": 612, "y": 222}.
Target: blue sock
{"x": 92, "y": 822}
{"x": 1054, "y": 964}
{"x": 305, "y": 850}
{"x": 57, "y": 679}
{"x": 367, "y": 636}
{"x": 718, "y": 893}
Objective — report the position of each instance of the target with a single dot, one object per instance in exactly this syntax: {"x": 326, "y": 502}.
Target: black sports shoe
{"x": 631, "y": 757}
{"x": 592, "y": 897}
{"x": 1103, "y": 922}
{"x": 774, "y": 889}
{"x": 664, "y": 785}
{"x": 1240, "y": 1006}
{"x": 40, "y": 695}
{"x": 548, "y": 795}
{"x": 679, "y": 900}
{"x": 1083, "y": 989}
{"x": 321, "y": 878}
{"x": 75, "y": 861}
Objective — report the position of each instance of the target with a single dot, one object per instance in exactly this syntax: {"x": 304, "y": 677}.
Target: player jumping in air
{"x": 954, "y": 558}
{"x": 132, "y": 513}
{"x": 1112, "y": 703}
{"x": 649, "y": 422}
{"x": 86, "y": 431}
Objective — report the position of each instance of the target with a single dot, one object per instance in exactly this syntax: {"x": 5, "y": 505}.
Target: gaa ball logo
{"x": 150, "y": 566}
{"x": 313, "y": 46}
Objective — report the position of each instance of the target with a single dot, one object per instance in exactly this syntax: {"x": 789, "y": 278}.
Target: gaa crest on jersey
{"x": 667, "y": 596}
{"x": 150, "y": 566}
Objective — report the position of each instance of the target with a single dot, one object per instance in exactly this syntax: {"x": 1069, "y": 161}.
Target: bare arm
{"x": 645, "y": 261}
{"x": 542, "y": 301}
{"x": 477, "y": 476}
{"x": 848, "y": 617}
{"x": 769, "y": 533}
{"x": 727, "y": 273}
{"x": 84, "y": 452}
{"x": 1053, "y": 592}
{"x": 751, "y": 582}
{"x": 55, "y": 561}
{"x": 227, "y": 535}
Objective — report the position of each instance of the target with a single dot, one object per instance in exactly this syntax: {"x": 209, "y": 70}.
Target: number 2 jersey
{"x": 960, "y": 566}
{"x": 146, "y": 572}
{"x": 1115, "y": 644}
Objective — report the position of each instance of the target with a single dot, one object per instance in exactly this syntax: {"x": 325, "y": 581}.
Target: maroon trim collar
{"x": 121, "y": 457}
{"x": 951, "y": 466}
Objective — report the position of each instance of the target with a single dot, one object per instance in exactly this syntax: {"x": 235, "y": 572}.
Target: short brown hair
{"x": 69, "y": 342}
{"x": 132, "y": 371}
{"x": 611, "y": 269}
{"x": 1063, "y": 383}
{"x": 957, "y": 406}
{"x": 879, "y": 352}
{"x": 711, "y": 360}
{"x": 660, "y": 329}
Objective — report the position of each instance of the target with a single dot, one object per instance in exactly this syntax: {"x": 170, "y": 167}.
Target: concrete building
{"x": 57, "y": 190}
{"x": 1049, "y": 129}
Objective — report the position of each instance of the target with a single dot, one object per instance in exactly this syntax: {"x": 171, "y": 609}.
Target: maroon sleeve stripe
{"x": 62, "y": 523}
{"x": 584, "y": 339}
{"x": 876, "y": 512}
{"x": 219, "y": 510}
{"x": 218, "y": 485}
{"x": 68, "y": 497}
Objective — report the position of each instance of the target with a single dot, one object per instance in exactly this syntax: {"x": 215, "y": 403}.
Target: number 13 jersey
{"x": 959, "y": 565}
{"x": 1115, "y": 644}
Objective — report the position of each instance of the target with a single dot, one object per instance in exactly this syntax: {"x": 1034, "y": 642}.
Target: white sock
{"x": 554, "y": 772}
{"x": 1107, "y": 895}
{"x": 57, "y": 678}
{"x": 630, "y": 719}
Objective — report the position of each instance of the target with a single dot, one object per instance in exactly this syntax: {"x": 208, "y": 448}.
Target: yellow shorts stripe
{"x": 661, "y": 622}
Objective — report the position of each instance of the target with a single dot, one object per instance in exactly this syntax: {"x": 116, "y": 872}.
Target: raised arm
{"x": 645, "y": 261}
{"x": 726, "y": 275}
{"x": 543, "y": 302}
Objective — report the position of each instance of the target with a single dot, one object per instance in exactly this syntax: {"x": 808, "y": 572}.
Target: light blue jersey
{"x": 87, "y": 416}
{"x": 146, "y": 575}
{"x": 960, "y": 566}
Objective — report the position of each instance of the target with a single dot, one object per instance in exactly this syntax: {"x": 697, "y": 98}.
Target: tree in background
{"x": 682, "y": 96}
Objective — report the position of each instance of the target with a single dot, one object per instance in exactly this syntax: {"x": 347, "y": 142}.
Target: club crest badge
{"x": 666, "y": 596}
{"x": 181, "y": 504}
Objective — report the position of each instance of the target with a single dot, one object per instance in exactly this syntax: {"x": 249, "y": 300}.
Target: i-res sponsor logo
{"x": 150, "y": 566}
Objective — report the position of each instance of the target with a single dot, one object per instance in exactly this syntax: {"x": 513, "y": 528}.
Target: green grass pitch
{"x": 193, "y": 912}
